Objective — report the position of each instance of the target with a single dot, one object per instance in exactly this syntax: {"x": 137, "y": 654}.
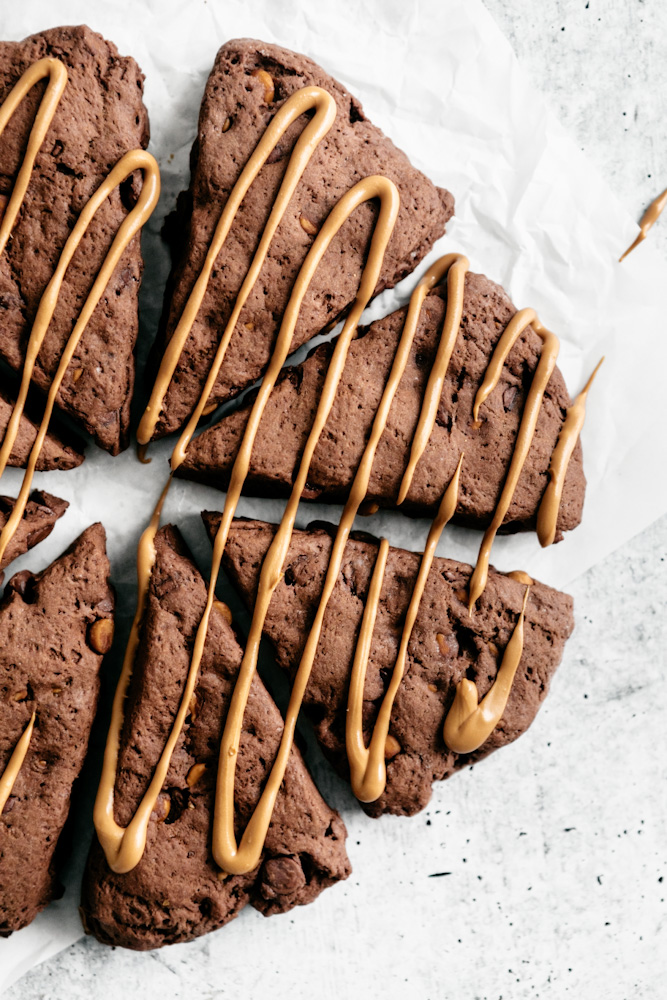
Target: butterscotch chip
{"x": 432, "y": 687}
{"x": 193, "y": 707}
{"x": 368, "y": 508}
{"x": 194, "y": 774}
{"x": 226, "y": 124}
{"x": 442, "y": 643}
{"x": 20, "y": 695}
{"x": 222, "y": 608}
{"x": 308, "y": 226}
{"x": 209, "y": 409}
{"x": 76, "y": 374}
{"x": 100, "y": 635}
{"x": 162, "y": 807}
{"x": 462, "y": 595}
{"x": 391, "y": 747}
{"x": 492, "y": 648}
{"x": 269, "y": 86}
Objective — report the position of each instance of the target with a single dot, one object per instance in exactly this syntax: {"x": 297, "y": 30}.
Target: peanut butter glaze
{"x": 367, "y": 764}
{"x": 306, "y": 99}
{"x": 233, "y": 858}
{"x": 516, "y": 326}
{"x": 124, "y": 846}
{"x": 455, "y": 266}
{"x": 470, "y": 722}
{"x": 11, "y": 771}
{"x": 57, "y": 76}
{"x": 56, "y": 72}
{"x": 368, "y": 772}
{"x": 137, "y": 159}
{"x": 521, "y": 577}
{"x": 650, "y": 216}
{"x": 547, "y": 515}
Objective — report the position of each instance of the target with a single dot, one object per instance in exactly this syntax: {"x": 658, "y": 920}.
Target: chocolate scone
{"x": 54, "y": 629}
{"x": 176, "y": 892}
{"x": 446, "y": 645}
{"x": 488, "y": 449}
{"x": 41, "y": 513}
{"x": 100, "y": 117}
{"x": 58, "y": 452}
{"x": 249, "y": 82}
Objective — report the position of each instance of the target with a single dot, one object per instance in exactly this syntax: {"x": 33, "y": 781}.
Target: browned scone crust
{"x": 233, "y": 118}
{"x": 40, "y": 515}
{"x": 488, "y": 451}
{"x": 471, "y": 647}
{"x": 47, "y": 665}
{"x": 100, "y": 117}
{"x": 56, "y": 453}
{"x": 175, "y": 893}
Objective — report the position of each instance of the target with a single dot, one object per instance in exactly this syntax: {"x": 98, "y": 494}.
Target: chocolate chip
{"x": 24, "y": 585}
{"x": 509, "y": 398}
{"x": 281, "y": 877}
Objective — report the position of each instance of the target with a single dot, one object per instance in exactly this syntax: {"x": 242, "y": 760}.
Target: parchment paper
{"x": 531, "y": 213}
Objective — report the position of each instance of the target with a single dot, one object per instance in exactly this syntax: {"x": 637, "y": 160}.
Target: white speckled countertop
{"x": 560, "y": 890}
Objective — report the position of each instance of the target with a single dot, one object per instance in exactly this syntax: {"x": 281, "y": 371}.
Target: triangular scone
{"x": 234, "y": 114}
{"x": 41, "y": 513}
{"x": 54, "y": 629}
{"x": 488, "y": 450}
{"x": 176, "y": 892}
{"x": 57, "y": 452}
{"x": 100, "y": 117}
{"x": 446, "y": 646}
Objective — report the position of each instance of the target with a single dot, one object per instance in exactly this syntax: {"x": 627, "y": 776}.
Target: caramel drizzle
{"x": 10, "y": 773}
{"x": 470, "y": 722}
{"x": 575, "y": 415}
{"x": 368, "y": 771}
{"x": 130, "y": 226}
{"x": 650, "y": 216}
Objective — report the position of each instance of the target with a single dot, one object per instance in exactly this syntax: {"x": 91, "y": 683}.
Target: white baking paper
{"x": 531, "y": 213}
